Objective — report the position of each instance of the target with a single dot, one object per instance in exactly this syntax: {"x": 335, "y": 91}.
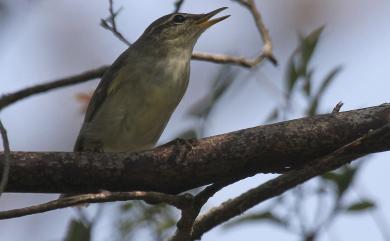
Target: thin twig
{"x": 149, "y": 197}
{"x": 7, "y": 158}
{"x": 11, "y": 98}
{"x": 191, "y": 212}
{"x": 178, "y": 5}
{"x": 266, "y": 51}
{"x": 279, "y": 185}
{"x": 110, "y": 23}
{"x": 337, "y": 107}
{"x": 226, "y": 59}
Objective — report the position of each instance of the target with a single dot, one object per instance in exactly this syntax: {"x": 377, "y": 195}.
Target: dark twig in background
{"x": 110, "y": 23}
{"x": 6, "y": 160}
{"x": 149, "y": 197}
{"x": 266, "y": 52}
{"x": 178, "y": 5}
{"x": 190, "y": 212}
{"x": 9, "y": 99}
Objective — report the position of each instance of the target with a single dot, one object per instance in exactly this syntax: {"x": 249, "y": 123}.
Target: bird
{"x": 137, "y": 95}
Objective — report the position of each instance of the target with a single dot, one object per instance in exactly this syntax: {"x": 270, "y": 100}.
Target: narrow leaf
{"x": 258, "y": 217}
{"x": 328, "y": 79}
{"x": 360, "y": 206}
{"x": 78, "y": 231}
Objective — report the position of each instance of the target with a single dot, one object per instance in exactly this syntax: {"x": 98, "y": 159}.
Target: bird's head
{"x": 181, "y": 29}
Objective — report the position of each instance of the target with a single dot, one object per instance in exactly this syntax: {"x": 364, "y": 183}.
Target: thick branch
{"x": 177, "y": 167}
{"x": 279, "y": 185}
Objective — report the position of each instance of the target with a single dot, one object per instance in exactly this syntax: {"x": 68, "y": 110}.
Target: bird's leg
{"x": 181, "y": 147}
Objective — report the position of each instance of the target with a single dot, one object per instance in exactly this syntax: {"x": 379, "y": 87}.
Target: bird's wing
{"x": 105, "y": 87}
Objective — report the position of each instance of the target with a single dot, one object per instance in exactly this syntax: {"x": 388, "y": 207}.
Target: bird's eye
{"x": 179, "y": 19}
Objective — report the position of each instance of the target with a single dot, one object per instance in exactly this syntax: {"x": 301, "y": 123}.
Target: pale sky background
{"x": 44, "y": 40}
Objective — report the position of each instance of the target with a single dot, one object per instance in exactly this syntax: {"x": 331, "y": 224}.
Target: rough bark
{"x": 183, "y": 165}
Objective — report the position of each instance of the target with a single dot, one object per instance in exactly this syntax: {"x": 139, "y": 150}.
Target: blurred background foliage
{"x": 307, "y": 212}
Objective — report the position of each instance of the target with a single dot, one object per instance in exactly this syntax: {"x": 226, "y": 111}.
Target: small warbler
{"x": 139, "y": 92}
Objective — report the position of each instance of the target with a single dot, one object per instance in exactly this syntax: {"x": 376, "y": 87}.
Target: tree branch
{"x": 285, "y": 182}
{"x": 110, "y": 23}
{"x": 9, "y": 99}
{"x": 190, "y": 212}
{"x": 149, "y": 197}
{"x": 6, "y": 160}
{"x": 266, "y": 52}
{"x": 177, "y": 167}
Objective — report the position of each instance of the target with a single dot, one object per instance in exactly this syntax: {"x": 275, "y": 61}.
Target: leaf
{"x": 78, "y": 231}
{"x": 139, "y": 216}
{"x": 297, "y": 66}
{"x": 126, "y": 206}
{"x": 188, "y": 134}
{"x": 222, "y": 84}
{"x": 360, "y": 206}
{"x": 293, "y": 75}
{"x": 313, "y": 106}
{"x": 274, "y": 115}
{"x": 200, "y": 108}
{"x": 328, "y": 79}
{"x": 312, "y": 109}
{"x": 342, "y": 179}
{"x": 307, "y": 84}
{"x": 309, "y": 43}
{"x": 258, "y": 217}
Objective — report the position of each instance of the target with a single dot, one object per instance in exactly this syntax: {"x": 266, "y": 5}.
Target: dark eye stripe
{"x": 179, "y": 18}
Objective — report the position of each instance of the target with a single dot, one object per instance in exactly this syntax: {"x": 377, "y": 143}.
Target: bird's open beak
{"x": 205, "y": 20}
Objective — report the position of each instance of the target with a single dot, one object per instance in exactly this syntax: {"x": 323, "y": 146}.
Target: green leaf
{"x": 360, "y": 206}
{"x": 312, "y": 109}
{"x": 313, "y": 106}
{"x": 307, "y": 84}
{"x": 258, "y": 217}
{"x": 188, "y": 134}
{"x": 200, "y": 108}
{"x": 78, "y": 231}
{"x": 328, "y": 79}
{"x": 274, "y": 115}
{"x": 343, "y": 178}
{"x": 293, "y": 75}
{"x": 298, "y": 65}
{"x": 222, "y": 84}
{"x": 309, "y": 43}
{"x": 139, "y": 216}
{"x": 126, "y": 206}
